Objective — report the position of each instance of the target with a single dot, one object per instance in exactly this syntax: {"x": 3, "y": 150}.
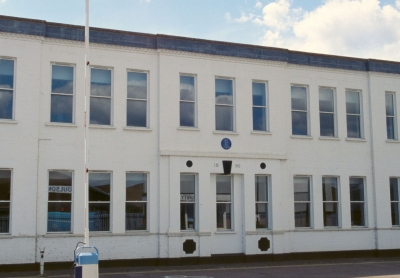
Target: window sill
{"x": 188, "y": 128}
{"x": 225, "y": 132}
{"x": 61, "y": 124}
{"x": 102, "y": 127}
{"x": 259, "y": 232}
{"x": 3, "y": 121}
{"x": 225, "y": 232}
{"x": 356, "y": 139}
{"x": 259, "y": 132}
{"x": 392, "y": 141}
{"x": 301, "y": 137}
{"x": 329, "y": 138}
{"x": 303, "y": 229}
{"x": 136, "y": 233}
{"x": 100, "y": 233}
{"x": 61, "y": 234}
{"x": 133, "y": 128}
{"x": 6, "y": 236}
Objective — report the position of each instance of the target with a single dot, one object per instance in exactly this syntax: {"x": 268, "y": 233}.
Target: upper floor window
{"x": 62, "y": 92}
{"x": 357, "y": 201}
{"x": 136, "y": 201}
{"x": 224, "y": 104}
{"x": 327, "y": 112}
{"x": 60, "y": 199}
{"x": 302, "y": 202}
{"x": 299, "y": 110}
{"x": 5, "y": 200}
{"x": 99, "y": 201}
{"x": 353, "y": 114}
{"x": 100, "y": 96}
{"x": 261, "y": 202}
{"x": 330, "y": 200}
{"x": 188, "y": 202}
{"x": 259, "y": 106}
{"x": 187, "y": 104}
{"x": 390, "y": 116}
{"x": 137, "y": 101}
{"x": 395, "y": 201}
{"x": 6, "y": 88}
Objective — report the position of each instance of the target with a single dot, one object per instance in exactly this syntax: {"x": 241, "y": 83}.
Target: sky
{"x": 357, "y": 28}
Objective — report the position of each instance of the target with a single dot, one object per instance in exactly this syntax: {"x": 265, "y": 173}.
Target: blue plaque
{"x": 226, "y": 144}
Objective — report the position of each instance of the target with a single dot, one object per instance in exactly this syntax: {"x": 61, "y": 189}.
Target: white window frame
{"x": 60, "y": 201}
{"x": 268, "y": 202}
{"x": 110, "y": 97}
{"x": 73, "y": 90}
{"x": 9, "y": 201}
{"x": 337, "y": 202}
{"x": 147, "y": 202}
{"x": 309, "y": 202}
{"x": 233, "y": 103}
{"x": 14, "y": 98}
{"x": 103, "y": 202}
{"x": 231, "y": 203}
{"x": 306, "y": 111}
{"x": 398, "y": 200}
{"x": 361, "y": 115}
{"x": 365, "y": 202}
{"x": 196, "y": 213}
{"x": 395, "y": 134}
{"x": 195, "y": 101}
{"x": 335, "y": 128}
{"x": 138, "y": 99}
{"x": 266, "y": 107}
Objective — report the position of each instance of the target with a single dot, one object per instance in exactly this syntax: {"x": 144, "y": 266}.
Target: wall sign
{"x": 226, "y": 144}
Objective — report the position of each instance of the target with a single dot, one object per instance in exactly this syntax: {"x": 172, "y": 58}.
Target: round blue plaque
{"x": 226, "y": 144}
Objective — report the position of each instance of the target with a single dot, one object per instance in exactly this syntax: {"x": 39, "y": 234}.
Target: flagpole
{"x": 86, "y": 127}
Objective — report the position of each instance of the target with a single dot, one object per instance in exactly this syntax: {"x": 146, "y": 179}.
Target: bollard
{"x": 42, "y": 261}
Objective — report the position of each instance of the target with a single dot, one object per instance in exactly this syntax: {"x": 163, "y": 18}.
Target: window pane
{"x": 100, "y": 111}
{"x": 357, "y": 214}
{"x": 59, "y": 217}
{"x": 187, "y": 217}
{"x": 327, "y": 124}
{"x": 135, "y": 216}
{"x": 136, "y": 186}
{"x": 6, "y": 74}
{"x": 224, "y": 216}
{"x": 223, "y": 188}
{"x": 302, "y": 215}
{"x": 136, "y": 113}
{"x": 352, "y": 102}
{"x": 395, "y": 214}
{"x": 301, "y": 189}
{"x": 394, "y": 190}
{"x": 99, "y": 186}
{"x": 4, "y": 217}
{"x": 299, "y": 123}
{"x": 223, "y": 91}
{"x": 299, "y": 98}
{"x": 390, "y": 127}
{"x": 356, "y": 189}
{"x": 353, "y": 126}
{"x": 6, "y": 104}
{"x": 187, "y": 91}
{"x": 186, "y": 114}
{"x": 261, "y": 189}
{"x": 259, "y": 122}
{"x": 261, "y": 216}
{"x": 389, "y": 105}
{"x": 137, "y": 85}
{"x": 5, "y": 185}
{"x": 60, "y": 186}
{"x": 100, "y": 82}
{"x": 331, "y": 215}
{"x": 259, "y": 94}
{"x": 99, "y": 217}
{"x": 224, "y": 117}
{"x": 326, "y": 100}
{"x": 62, "y": 80}
{"x": 329, "y": 189}
{"x": 61, "y": 109}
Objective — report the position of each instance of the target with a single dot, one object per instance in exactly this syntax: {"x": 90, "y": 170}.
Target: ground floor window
{"x": 302, "y": 202}
{"x": 99, "y": 201}
{"x": 394, "y": 200}
{"x": 224, "y": 202}
{"x": 136, "y": 201}
{"x": 188, "y": 201}
{"x": 59, "y": 202}
{"x": 261, "y": 202}
{"x": 330, "y": 201}
{"x": 357, "y": 201}
{"x": 5, "y": 200}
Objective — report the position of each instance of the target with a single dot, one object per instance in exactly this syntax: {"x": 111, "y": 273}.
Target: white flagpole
{"x": 86, "y": 126}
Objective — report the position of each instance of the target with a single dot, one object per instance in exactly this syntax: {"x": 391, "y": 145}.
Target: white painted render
{"x": 31, "y": 146}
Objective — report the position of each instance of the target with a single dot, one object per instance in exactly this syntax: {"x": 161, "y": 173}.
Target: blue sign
{"x": 226, "y": 144}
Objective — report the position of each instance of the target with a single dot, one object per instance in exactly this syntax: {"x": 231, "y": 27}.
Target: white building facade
{"x": 310, "y": 144}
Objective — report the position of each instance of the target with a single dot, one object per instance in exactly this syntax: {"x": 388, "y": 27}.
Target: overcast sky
{"x": 359, "y": 28}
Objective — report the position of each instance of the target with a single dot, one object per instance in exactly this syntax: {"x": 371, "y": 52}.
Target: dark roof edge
{"x": 161, "y": 41}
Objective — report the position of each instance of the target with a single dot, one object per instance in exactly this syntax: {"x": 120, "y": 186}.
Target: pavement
{"x": 367, "y": 267}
